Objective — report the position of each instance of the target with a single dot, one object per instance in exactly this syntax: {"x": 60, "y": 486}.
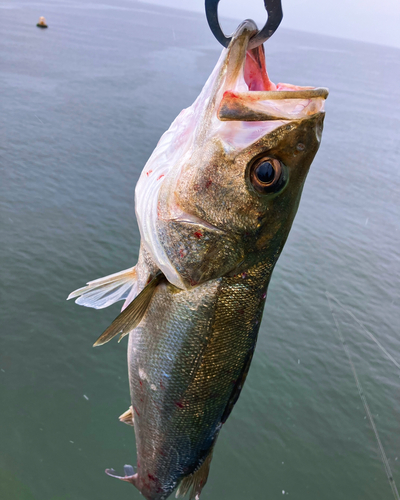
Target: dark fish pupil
{"x": 265, "y": 172}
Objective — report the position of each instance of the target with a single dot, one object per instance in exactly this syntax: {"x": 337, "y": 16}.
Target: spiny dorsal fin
{"x": 127, "y": 416}
{"x": 196, "y": 481}
{"x": 132, "y": 315}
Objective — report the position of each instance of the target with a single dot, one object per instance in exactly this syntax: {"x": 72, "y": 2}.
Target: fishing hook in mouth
{"x": 275, "y": 15}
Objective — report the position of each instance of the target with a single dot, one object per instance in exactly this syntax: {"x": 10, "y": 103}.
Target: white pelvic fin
{"x": 105, "y": 291}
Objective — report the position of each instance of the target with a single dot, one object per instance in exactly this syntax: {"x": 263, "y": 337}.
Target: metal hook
{"x": 275, "y": 15}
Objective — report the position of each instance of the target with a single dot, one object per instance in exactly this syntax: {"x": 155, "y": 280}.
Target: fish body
{"x": 215, "y": 204}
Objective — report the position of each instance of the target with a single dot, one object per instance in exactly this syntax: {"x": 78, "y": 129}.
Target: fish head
{"x": 237, "y": 161}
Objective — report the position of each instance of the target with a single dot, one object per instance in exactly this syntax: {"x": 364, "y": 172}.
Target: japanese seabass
{"x": 215, "y": 204}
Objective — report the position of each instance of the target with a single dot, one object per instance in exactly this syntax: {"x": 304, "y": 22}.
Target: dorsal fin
{"x": 196, "y": 481}
{"x": 132, "y": 315}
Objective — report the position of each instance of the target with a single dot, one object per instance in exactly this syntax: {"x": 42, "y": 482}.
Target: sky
{"x": 376, "y": 21}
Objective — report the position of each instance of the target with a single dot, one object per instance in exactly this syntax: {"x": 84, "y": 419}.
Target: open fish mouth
{"x": 254, "y": 97}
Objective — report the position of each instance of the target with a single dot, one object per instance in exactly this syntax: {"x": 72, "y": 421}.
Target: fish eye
{"x": 266, "y": 175}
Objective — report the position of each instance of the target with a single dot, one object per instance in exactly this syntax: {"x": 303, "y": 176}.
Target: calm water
{"x": 82, "y": 106}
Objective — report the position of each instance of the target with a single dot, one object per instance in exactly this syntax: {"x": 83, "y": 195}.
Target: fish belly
{"x": 187, "y": 362}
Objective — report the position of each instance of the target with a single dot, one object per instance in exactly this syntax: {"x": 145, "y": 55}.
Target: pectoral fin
{"x": 132, "y": 315}
{"x": 105, "y": 291}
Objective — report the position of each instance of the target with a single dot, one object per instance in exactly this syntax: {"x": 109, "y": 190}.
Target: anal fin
{"x": 127, "y": 416}
{"x": 130, "y": 476}
{"x": 196, "y": 481}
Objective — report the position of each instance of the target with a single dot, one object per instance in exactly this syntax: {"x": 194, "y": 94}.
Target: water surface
{"x": 82, "y": 106}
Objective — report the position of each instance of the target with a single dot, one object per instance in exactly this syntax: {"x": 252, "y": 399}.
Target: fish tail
{"x": 105, "y": 291}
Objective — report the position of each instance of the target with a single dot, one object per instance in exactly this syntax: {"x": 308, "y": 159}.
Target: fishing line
{"x": 372, "y": 337}
{"x": 361, "y": 393}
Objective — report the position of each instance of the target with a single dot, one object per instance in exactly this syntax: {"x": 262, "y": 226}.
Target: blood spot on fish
{"x": 263, "y": 296}
{"x": 193, "y": 282}
{"x": 161, "y": 176}
{"x": 179, "y": 404}
{"x": 151, "y": 477}
{"x": 229, "y": 93}
{"x": 141, "y": 383}
{"x": 138, "y": 414}
{"x": 208, "y": 183}
{"x": 148, "y": 172}
{"x": 198, "y": 234}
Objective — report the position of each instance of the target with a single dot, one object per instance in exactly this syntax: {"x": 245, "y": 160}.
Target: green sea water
{"x": 82, "y": 106}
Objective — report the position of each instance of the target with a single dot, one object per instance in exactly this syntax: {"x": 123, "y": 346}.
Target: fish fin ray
{"x": 105, "y": 291}
{"x": 127, "y": 416}
{"x": 130, "y": 318}
{"x": 196, "y": 481}
{"x": 130, "y": 476}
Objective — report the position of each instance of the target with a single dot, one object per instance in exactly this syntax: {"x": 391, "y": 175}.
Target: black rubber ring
{"x": 275, "y": 15}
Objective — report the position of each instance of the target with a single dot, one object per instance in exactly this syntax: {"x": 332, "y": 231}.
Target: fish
{"x": 214, "y": 203}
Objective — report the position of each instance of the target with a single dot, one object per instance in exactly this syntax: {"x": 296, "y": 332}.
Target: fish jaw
{"x": 198, "y": 216}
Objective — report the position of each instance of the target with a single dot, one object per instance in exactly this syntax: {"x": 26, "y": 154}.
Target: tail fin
{"x": 105, "y": 291}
